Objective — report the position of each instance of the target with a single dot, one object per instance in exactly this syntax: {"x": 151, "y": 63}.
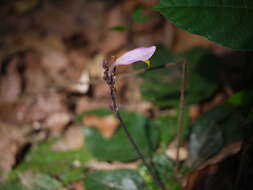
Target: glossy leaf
{"x": 213, "y": 130}
{"x": 115, "y": 180}
{"x": 226, "y": 22}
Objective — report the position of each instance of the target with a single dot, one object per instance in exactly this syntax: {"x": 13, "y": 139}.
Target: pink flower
{"x": 133, "y": 56}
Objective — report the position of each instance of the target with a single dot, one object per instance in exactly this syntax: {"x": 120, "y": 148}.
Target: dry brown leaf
{"x": 12, "y": 139}
{"x": 114, "y": 39}
{"x": 99, "y": 165}
{"x": 72, "y": 140}
{"x": 77, "y": 186}
{"x": 35, "y": 76}
{"x": 44, "y": 105}
{"x": 85, "y": 104}
{"x": 106, "y": 125}
{"x": 10, "y": 83}
{"x": 56, "y": 122}
{"x": 172, "y": 151}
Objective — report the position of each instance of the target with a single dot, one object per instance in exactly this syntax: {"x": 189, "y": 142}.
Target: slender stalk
{"x": 109, "y": 78}
{"x": 141, "y": 156}
{"x": 181, "y": 115}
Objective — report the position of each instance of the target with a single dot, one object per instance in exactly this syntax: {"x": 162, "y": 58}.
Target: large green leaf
{"x": 225, "y": 22}
{"x": 43, "y": 159}
{"x": 214, "y": 129}
{"x": 114, "y": 180}
{"x": 118, "y": 148}
{"x": 162, "y": 86}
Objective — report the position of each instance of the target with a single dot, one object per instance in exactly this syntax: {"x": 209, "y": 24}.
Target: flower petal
{"x": 135, "y": 55}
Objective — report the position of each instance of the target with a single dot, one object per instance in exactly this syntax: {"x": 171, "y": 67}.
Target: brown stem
{"x": 181, "y": 115}
{"x": 109, "y": 78}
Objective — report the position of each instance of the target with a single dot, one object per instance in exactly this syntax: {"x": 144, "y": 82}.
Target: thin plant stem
{"x": 151, "y": 170}
{"x": 109, "y": 78}
{"x": 181, "y": 115}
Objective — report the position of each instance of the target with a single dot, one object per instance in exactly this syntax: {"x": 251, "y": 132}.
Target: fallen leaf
{"x": 99, "y": 165}
{"x": 114, "y": 39}
{"x": 56, "y": 122}
{"x": 106, "y": 125}
{"x": 172, "y": 152}
{"x": 73, "y": 139}
{"x": 12, "y": 139}
{"x": 77, "y": 186}
{"x": 10, "y": 83}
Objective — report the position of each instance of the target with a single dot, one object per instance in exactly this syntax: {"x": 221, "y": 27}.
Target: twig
{"x": 109, "y": 78}
{"x": 181, "y": 115}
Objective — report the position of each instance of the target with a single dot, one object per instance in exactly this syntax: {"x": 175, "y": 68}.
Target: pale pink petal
{"x": 135, "y": 55}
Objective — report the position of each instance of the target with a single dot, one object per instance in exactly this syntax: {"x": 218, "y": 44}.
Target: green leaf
{"x": 14, "y": 185}
{"x": 168, "y": 127}
{"x": 118, "y": 148}
{"x": 43, "y": 159}
{"x": 165, "y": 168}
{"x": 115, "y": 180}
{"x": 213, "y": 130}
{"x": 226, "y": 22}
{"x": 119, "y": 28}
{"x": 162, "y": 86}
{"x": 41, "y": 182}
{"x": 241, "y": 98}
{"x": 139, "y": 17}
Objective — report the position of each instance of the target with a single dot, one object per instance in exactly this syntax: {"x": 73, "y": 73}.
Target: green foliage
{"x": 226, "y": 22}
{"x": 119, "y": 28}
{"x": 33, "y": 182}
{"x": 43, "y": 159}
{"x": 41, "y": 182}
{"x": 242, "y": 97}
{"x": 162, "y": 86}
{"x": 139, "y": 17}
{"x": 116, "y": 179}
{"x": 214, "y": 129}
{"x": 118, "y": 147}
{"x": 168, "y": 127}
{"x": 12, "y": 186}
{"x": 165, "y": 168}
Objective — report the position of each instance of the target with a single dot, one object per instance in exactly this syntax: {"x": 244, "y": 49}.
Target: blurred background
{"x": 56, "y": 129}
